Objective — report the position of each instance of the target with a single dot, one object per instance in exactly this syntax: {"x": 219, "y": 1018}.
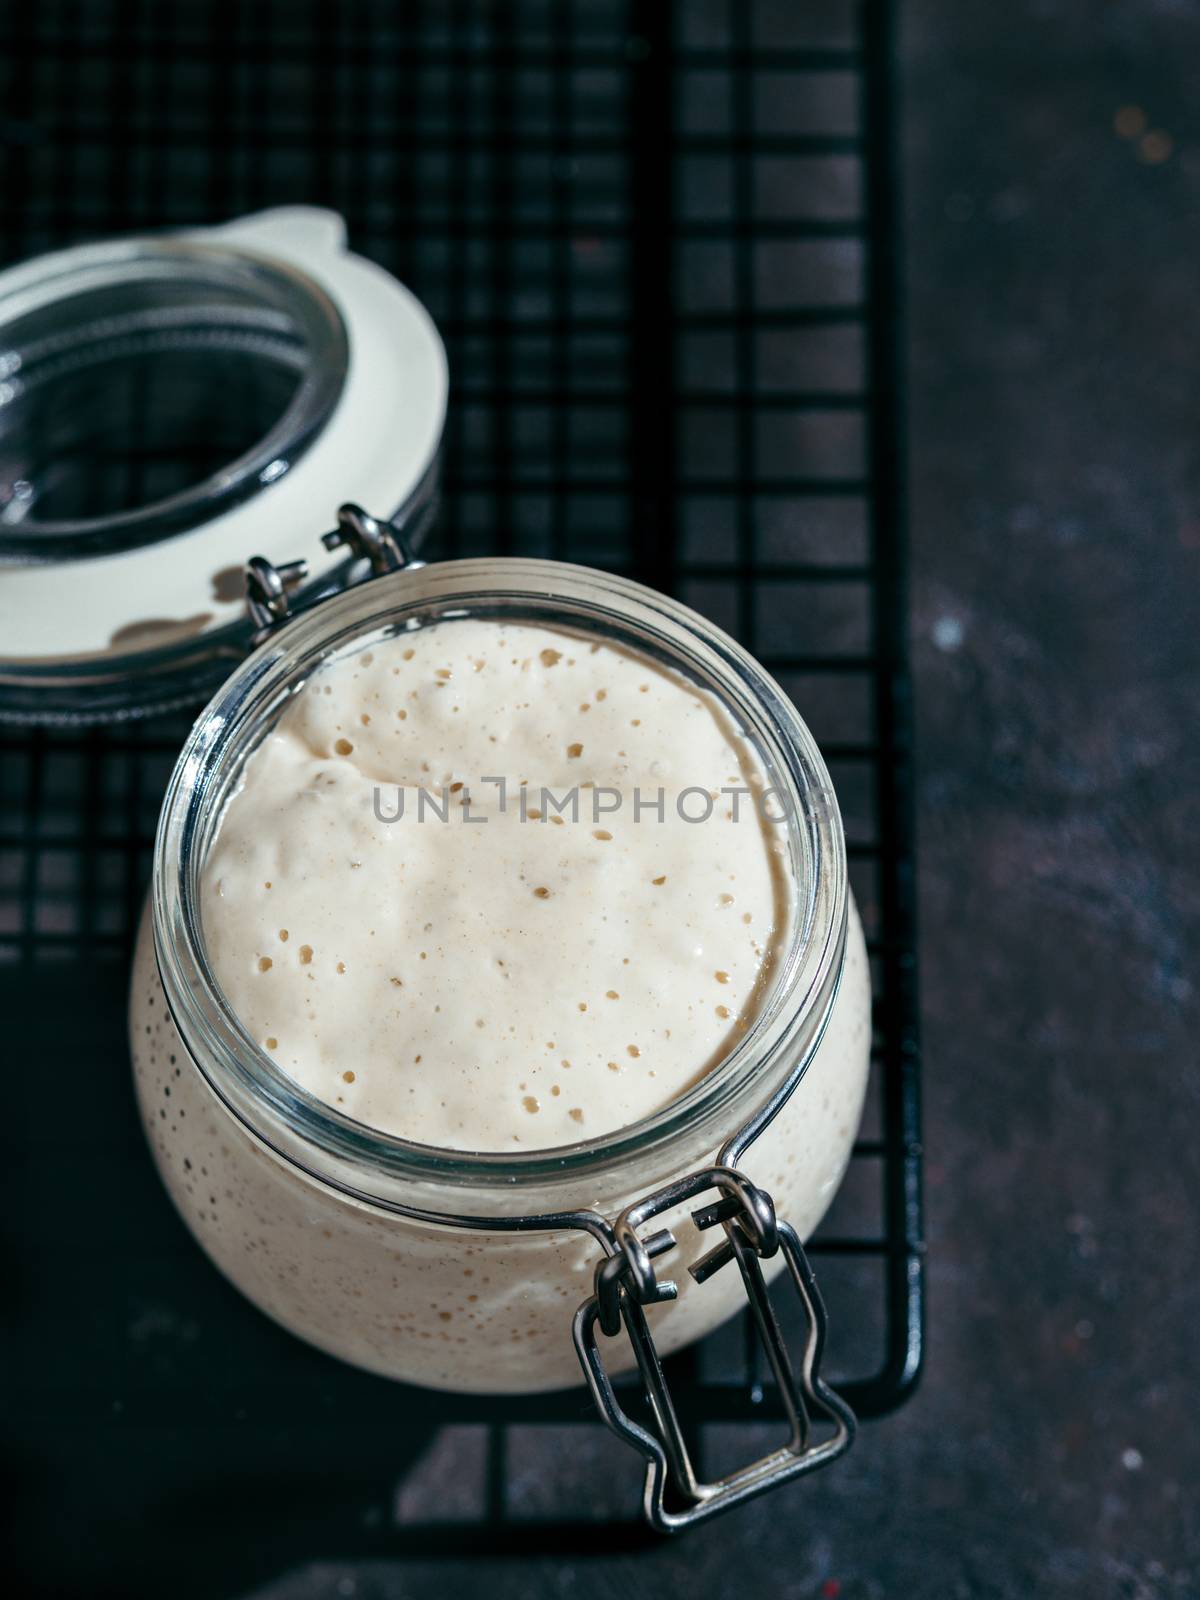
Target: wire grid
{"x": 658, "y": 240}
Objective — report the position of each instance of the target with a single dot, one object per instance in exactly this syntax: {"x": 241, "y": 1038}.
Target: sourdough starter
{"x": 489, "y": 887}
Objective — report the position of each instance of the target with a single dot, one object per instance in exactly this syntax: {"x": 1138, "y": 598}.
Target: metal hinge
{"x": 269, "y": 588}
{"x": 625, "y": 1283}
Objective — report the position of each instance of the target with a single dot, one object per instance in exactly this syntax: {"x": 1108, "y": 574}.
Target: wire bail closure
{"x": 626, "y": 1282}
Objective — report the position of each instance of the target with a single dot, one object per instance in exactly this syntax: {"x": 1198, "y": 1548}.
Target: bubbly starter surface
{"x": 516, "y": 975}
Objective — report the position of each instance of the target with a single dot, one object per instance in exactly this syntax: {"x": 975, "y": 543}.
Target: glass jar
{"x": 458, "y": 1270}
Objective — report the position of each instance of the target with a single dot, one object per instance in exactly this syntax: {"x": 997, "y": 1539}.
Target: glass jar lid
{"x": 171, "y": 406}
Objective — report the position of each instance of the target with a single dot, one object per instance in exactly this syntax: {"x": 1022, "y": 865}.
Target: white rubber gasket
{"x": 376, "y": 448}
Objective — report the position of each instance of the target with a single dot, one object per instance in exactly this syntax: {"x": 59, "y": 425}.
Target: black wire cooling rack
{"x": 659, "y": 240}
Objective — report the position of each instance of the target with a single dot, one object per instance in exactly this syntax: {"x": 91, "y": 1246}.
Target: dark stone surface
{"x": 1053, "y": 354}
{"x": 1055, "y": 508}
{"x": 1056, "y": 528}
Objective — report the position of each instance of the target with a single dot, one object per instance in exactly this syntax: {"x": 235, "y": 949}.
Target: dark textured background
{"x": 1055, "y": 513}
{"x": 1055, "y": 517}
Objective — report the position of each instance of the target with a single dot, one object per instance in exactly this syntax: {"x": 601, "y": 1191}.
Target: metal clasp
{"x": 625, "y": 1283}
{"x": 268, "y": 591}
{"x": 381, "y": 544}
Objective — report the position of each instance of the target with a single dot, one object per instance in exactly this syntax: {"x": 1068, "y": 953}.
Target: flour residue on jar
{"x": 539, "y": 951}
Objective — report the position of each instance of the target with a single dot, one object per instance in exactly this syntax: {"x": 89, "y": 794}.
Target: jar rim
{"x": 261, "y": 295}
{"x": 381, "y": 1168}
